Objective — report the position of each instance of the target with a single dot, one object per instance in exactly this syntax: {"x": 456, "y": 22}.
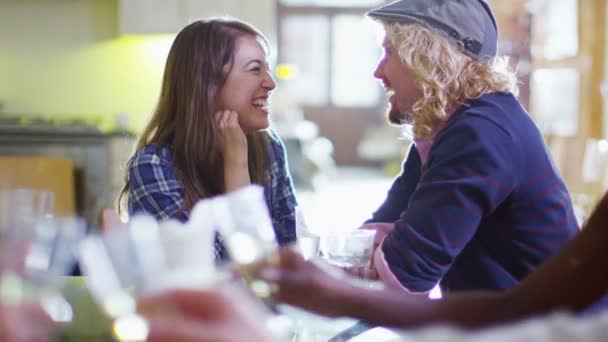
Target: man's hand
{"x": 365, "y": 272}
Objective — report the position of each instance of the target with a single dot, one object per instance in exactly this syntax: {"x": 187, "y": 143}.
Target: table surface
{"x": 90, "y": 324}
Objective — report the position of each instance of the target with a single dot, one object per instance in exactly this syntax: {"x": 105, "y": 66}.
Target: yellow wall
{"x": 63, "y": 58}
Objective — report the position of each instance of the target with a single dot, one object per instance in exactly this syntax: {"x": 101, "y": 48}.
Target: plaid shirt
{"x": 155, "y": 190}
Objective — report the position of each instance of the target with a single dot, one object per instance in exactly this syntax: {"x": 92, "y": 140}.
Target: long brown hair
{"x": 200, "y": 59}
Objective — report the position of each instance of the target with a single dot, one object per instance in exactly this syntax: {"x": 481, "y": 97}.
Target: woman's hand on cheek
{"x": 234, "y": 142}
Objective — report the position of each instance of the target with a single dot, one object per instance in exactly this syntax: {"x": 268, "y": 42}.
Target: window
{"x": 333, "y": 49}
{"x": 556, "y": 117}
{"x": 557, "y": 29}
{"x": 304, "y": 46}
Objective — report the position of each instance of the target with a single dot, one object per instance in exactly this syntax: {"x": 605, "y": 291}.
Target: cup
{"x": 244, "y": 222}
{"x": 144, "y": 257}
{"x": 308, "y": 242}
{"x": 36, "y": 249}
{"x": 348, "y": 249}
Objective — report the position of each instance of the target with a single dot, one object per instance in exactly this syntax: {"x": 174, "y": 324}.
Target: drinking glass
{"x": 308, "y": 242}
{"x": 36, "y": 249}
{"x": 245, "y": 224}
{"x": 349, "y": 249}
{"x": 144, "y": 257}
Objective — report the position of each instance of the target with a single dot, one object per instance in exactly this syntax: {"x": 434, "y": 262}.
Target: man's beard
{"x": 396, "y": 117}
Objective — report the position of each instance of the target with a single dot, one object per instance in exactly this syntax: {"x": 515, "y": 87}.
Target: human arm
{"x": 282, "y": 198}
{"x": 571, "y": 280}
{"x": 154, "y": 189}
{"x": 472, "y": 167}
{"x": 395, "y": 203}
{"x": 330, "y": 293}
{"x": 234, "y": 151}
{"x": 153, "y": 185}
{"x": 575, "y": 275}
{"x": 402, "y": 188}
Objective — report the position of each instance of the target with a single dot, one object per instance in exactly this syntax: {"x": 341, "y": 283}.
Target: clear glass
{"x": 355, "y": 53}
{"x": 558, "y": 117}
{"x": 36, "y": 249}
{"x": 349, "y": 249}
{"x": 308, "y": 242}
{"x": 144, "y": 257}
{"x": 245, "y": 224}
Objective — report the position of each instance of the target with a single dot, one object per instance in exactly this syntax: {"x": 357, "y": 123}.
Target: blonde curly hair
{"x": 444, "y": 74}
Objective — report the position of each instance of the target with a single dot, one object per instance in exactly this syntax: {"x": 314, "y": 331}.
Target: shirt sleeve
{"x": 401, "y": 190}
{"x": 153, "y": 187}
{"x": 283, "y": 199}
{"x": 470, "y": 171}
{"x": 154, "y": 190}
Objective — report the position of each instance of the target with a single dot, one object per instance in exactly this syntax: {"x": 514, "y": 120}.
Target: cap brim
{"x": 396, "y": 11}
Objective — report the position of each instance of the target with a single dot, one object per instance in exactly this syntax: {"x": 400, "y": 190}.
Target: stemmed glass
{"x": 141, "y": 258}
{"x": 244, "y": 222}
{"x": 145, "y": 257}
{"x": 113, "y": 275}
{"x": 243, "y": 219}
{"x": 36, "y": 249}
{"x": 308, "y": 242}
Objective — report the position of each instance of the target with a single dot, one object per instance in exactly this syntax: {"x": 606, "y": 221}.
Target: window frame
{"x": 329, "y": 12}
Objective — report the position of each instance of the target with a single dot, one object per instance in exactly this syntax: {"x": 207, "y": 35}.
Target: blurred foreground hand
{"x": 23, "y": 323}
{"x": 204, "y": 315}
{"x": 307, "y": 284}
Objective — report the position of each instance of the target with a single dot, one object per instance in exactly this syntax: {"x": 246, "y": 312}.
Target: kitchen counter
{"x": 98, "y": 158}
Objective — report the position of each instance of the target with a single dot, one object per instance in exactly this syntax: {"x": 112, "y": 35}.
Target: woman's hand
{"x": 234, "y": 149}
{"x": 234, "y": 141}
{"x": 304, "y": 284}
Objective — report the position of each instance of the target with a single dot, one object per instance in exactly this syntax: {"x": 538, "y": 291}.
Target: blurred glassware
{"x": 348, "y": 249}
{"x": 308, "y": 242}
{"x": 36, "y": 249}
{"x": 245, "y": 224}
{"x": 244, "y": 220}
{"x": 143, "y": 257}
{"x": 113, "y": 276}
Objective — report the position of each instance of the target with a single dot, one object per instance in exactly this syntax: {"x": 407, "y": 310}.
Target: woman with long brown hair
{"x": 210, "y": 132}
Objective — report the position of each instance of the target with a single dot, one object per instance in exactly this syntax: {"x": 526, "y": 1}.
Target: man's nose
{"x": 379, "y": 72}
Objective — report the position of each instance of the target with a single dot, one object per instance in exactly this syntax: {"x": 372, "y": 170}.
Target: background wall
{"x": 65, "y": 59}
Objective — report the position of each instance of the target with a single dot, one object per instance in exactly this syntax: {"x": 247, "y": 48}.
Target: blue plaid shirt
{"x": 155, "y": 190}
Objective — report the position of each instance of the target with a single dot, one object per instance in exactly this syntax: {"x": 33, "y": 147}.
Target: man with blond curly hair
{"x": 479, "y": 203}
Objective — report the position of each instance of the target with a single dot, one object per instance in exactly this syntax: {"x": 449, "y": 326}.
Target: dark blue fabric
{"x": 486, "y": 209}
